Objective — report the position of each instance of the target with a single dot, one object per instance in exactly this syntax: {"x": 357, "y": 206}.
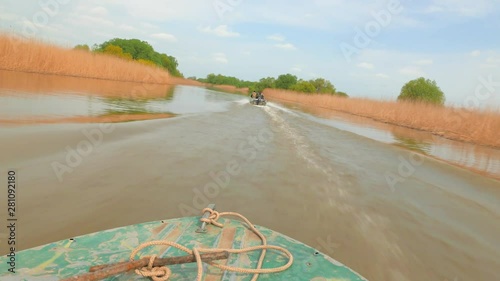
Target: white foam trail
{"x": 273, "y": 105}
{"x": 368, "y": 224}
{"x": 302, "y": 148}
{"x": 242, "y": 101}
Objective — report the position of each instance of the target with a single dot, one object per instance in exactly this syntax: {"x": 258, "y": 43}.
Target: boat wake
{"x": 242, "y": 101}
{"x": 302, "y": 147}
{"x": 370, "y": 226}
{"x": 273, "y": 105}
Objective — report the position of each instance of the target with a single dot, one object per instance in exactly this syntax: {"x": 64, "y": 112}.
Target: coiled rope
{"x": 163, "y": 273}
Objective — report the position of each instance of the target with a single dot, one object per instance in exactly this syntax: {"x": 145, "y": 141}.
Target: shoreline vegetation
{"x": 37, "y": 57}
{"x": 477, "y": 127}
{"x": 32, "y": 56}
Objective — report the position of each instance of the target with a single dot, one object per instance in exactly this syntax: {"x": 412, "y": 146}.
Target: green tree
{"x": 264, "y": 83}
{"x": 323, "y": 86}
{"x": 116, "y": 51}
{"x": 286, "y": 81}
{"x": 220, "y": 79}
{"x": 83, "y": 47}
{"x": 147, "y": 62}
{"x": 142, "y": 50}
{"x": 304, "y": 87}
{"x": 171, "y": 64}
{"x": 422, "y": 90}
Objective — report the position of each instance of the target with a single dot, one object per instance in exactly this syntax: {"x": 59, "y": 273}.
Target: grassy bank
{"x": 479, "y": 127}
{"x": 32, "y": 56}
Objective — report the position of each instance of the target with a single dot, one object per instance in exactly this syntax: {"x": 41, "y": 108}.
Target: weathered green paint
{"x": 68, "y": 258}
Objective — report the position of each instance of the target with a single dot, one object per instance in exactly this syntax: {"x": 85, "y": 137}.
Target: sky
{"x": 365, "y": 48}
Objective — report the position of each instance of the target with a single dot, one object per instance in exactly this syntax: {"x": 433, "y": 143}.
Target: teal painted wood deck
{"x": 72, "y": 257}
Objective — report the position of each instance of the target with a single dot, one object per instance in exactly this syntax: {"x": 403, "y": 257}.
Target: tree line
{"x": 417, "y": 90}
{"x": 284, "y": 81}
{"x": 224, "y": 80}
{"x": 135, "y": 49}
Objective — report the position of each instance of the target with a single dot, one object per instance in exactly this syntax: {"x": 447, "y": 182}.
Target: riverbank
{"x": 37, "y": 57}
{"x": 477, "y": 127}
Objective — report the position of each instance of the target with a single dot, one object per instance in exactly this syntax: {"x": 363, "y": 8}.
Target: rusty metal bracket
{"x": 202, "y": 228}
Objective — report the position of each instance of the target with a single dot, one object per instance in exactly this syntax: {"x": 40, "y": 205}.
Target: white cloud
{"x": 365, "y": 65}
{"x": 492, "y": 62}
{"x": 382, "y": 75}
{"x": 276, "y": 37}
{"x": 412, "y": 71}
{"x": 8, "y": 16}
{"x": 296, "y": 69}
{"x": 91, "y": 19}
{"x": 149, "y": 26}
{"x": 221, "y": 31}
{"x": 462, "y": 8}
{"x": 99, "y": 11}
{"x": 127, "y": 27}
{"x": 434, "y": 9}
{"x": 424, "y": 62}
{"x": 165, "y": 36}
{"x": 286, "y": 46}
{"x": 318, "y": 14}
{"x": 169, "y": 10}
{"x": 220, "y": 58}
{"x": 475, "y": 53}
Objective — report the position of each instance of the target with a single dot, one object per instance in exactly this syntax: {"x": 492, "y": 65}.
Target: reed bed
{"x": 479, "y": 127}
{"x": 34, "y": 56}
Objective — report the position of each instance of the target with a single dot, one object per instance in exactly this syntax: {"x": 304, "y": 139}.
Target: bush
{"x": 422, "y": 90}
{"x": 304, "y": 87}
{"x": 341, "y": 94}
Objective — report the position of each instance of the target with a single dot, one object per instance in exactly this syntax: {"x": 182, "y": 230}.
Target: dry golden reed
{"x": 479, "y": 127}
{"x": 33, "y": 56}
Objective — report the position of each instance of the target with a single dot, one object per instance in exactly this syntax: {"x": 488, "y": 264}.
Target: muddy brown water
{"x": 388, "y": 212}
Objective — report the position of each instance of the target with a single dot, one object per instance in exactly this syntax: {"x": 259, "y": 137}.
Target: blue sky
{"x": 366, "y": 48}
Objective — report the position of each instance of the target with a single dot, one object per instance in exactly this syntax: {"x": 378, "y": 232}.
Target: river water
{"x": 383, "y": 201}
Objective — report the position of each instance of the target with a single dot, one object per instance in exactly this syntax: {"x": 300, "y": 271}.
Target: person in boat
{"x": 254, "y": 95}
{"x": 260, "y": 98}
